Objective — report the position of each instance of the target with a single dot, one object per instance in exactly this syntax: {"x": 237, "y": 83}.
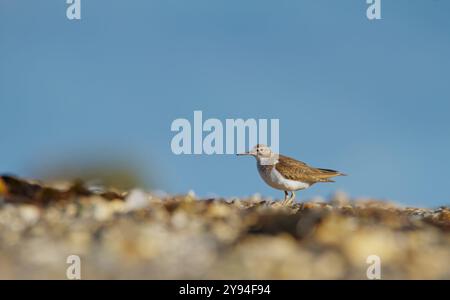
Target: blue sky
{"x": 370, "y": 98}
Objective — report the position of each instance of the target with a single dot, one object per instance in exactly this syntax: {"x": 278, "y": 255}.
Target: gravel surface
{"x": 143, "y": 236}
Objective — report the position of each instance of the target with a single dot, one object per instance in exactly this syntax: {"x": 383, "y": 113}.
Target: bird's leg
{"x": 285, "y": 197}
{"x": 290, "y": 201}
{"x": 293, "y": 196}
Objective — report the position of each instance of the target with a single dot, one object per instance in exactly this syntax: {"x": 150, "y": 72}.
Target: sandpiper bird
{"x": 287, "y": 174}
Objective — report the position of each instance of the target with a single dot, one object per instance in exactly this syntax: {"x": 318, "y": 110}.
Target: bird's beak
{"x": 252, "y": 153}
{"x": 245, "y": 153}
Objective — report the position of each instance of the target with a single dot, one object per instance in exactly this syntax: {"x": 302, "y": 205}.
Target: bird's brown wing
{"x": 300, "y": 171}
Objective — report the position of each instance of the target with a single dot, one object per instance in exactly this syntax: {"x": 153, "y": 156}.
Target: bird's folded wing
{"x": 297, "y": 170}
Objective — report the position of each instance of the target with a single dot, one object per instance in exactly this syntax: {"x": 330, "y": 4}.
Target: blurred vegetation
{"x": 111, "y": 170}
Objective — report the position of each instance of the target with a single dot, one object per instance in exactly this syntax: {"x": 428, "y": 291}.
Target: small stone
{"x": 29, "y": 213}
{"x": 137, "y": 199}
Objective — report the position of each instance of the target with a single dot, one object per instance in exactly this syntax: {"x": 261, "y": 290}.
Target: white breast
{"x": 273, "y": 178}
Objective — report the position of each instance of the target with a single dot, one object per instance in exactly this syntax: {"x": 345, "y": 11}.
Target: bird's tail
{"x": 325, "y": 174}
